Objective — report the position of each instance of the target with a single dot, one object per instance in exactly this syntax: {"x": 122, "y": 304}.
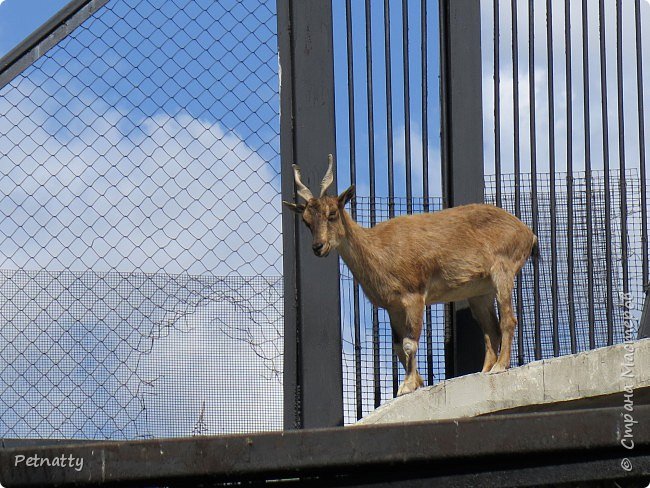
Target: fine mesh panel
{"x": 364, "y": 390}
{"x": 140, "y": 238}
{"x": 579, "y": 236}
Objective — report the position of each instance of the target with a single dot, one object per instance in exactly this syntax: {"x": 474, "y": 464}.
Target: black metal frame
{"x": 550, "y": 448}
{"x": 313, "y": 393}
{"x": 313, "y": 385}
{"x": 46, "y": 37}
{"x": 462, "y": 153}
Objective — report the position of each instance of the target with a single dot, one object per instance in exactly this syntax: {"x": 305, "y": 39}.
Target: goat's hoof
{"x": 497, "y": 368}
{"x": 405, "y": 388}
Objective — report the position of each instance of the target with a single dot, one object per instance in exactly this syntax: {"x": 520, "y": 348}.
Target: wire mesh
{"x": 140, "y": 238}
{"x": 579, "y": 237}
{"x": 435, "y": 354}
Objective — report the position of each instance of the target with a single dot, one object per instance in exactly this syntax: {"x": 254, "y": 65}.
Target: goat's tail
{"x": 534, "y": 252}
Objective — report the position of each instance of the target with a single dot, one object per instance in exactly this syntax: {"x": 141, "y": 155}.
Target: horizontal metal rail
{"x": 551, "y": 447}
{"x": 46, "y": 37}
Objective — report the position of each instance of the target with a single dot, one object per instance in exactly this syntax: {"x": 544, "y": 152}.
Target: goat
{"x": 470, "y": 252}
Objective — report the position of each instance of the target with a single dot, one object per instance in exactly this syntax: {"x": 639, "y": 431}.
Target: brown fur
{"x": 469, "y": 252}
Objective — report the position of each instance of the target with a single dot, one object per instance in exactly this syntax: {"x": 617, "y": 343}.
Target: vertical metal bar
{"x": 588, "y": 188}
{"x": 639, "y": 88}
{"x": 515, "y": 104}
{"x": 644, "y": 323}
{"x": 553, "y": 204}
{"x": 533, "y": 171}
{"x": 371, "y": 123}
{"x": 351, "y": 116}
{"x": 353, "y": 179}
{"x": 462, "y": 139}
{"x": 609, "y": 303}
{"x": 621, "y": 144}
{"x": 425, "y": 170}
{"x": 407, "y": 106}
{"x": 389, "y": 112}
{"x": 313, "y": 394}
{"x": 497, "y": 106}
{"x": 357, "y": 344}
{"x": 389, "y": 142}
{"x": 373, "y": 212}
{"x": 443, "y": 16}
{"x": 429, "y": 339}
{"x": 425, "y": 119}
{"x": 569, "y": 108}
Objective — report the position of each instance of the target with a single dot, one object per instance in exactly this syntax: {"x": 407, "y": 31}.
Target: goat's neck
{"x": 356, "y": 248}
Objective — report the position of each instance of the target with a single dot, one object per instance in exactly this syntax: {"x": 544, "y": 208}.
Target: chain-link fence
{"x": 140, "y": 239}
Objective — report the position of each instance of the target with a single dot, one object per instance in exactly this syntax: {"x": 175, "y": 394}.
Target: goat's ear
{"x": 298, "y": 208}
{"x": 346, "y": 196}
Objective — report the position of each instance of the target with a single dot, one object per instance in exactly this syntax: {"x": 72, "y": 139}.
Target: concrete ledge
{"x": 599, "y": 377}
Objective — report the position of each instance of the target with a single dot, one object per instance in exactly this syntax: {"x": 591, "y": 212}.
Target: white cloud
{"x": 178, "y": 194}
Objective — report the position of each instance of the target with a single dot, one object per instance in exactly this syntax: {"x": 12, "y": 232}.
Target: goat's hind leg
{"x": 398, "y": 348}
{"x": 482, "y": 308}
{"x": 504, "y": 283}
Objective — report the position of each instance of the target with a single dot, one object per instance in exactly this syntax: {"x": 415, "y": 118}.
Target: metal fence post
{"x": 313, "y": 377}
{"x": 462, "y": 153}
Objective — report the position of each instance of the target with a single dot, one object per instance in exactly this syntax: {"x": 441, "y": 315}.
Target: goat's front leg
{"x": 407, "y": 327}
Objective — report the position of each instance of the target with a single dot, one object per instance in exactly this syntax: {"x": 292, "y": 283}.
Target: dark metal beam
{"x": 313, "y": 384}
{"x": 539, "y": 449}
{"x": 46, "y": 37}
{"x": 462, "y": 140}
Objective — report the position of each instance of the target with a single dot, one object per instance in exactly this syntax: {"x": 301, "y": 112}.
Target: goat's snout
{"x": 317, "y": 247}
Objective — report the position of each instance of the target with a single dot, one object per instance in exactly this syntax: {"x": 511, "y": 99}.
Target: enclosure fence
{"x": 141, "y": 244}
{"x": 368, "y": 366}
{"x": 564, "y": 94}
{"x": 563, "y": 125}
{"x": 140, "y": 241}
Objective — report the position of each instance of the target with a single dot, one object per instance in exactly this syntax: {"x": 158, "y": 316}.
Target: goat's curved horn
{"x": 328, "y": 179}
{"x": 303, "y": 191}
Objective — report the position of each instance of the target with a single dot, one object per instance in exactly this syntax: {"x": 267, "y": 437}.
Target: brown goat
{"x": 470, "y": 252}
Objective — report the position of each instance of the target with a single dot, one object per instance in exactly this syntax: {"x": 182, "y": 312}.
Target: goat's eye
{"x": 332, "y": 216}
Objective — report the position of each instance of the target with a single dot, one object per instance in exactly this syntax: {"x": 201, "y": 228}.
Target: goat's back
{"x": 454, "y": 246}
